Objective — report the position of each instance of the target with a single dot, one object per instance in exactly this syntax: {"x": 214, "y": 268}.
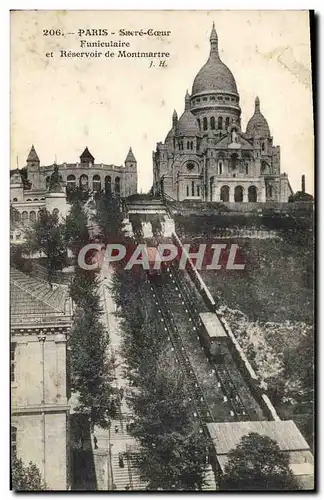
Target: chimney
{"x": 303, "y": 183}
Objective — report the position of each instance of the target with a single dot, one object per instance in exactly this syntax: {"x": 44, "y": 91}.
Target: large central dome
{"x": 214, "y": 75}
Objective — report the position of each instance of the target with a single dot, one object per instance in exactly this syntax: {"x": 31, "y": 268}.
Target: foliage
{"x": 109, "y": 216}
{"x": 300, "y": 196}
{"x": 172, "y": 452}
{"x": 257, "y": 464}
{"x": 77, "y": 194}
{"x": 47, "y": 235}
{"x": 76, "y": 232}
{"x": 15, "y": 217}
{"x": 18, "y": 259}
{"x": 25, "y": 477}
{"x": 91, "y": 376}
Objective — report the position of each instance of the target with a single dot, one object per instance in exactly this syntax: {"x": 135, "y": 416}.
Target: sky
{"x": 61, "y": 105}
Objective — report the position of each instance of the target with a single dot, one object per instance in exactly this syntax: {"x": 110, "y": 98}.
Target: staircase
{"x": 210, "y": 480}
{"x": 126, "y": 477}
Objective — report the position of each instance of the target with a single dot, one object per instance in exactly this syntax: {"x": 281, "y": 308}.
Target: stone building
{"x": 29, "y": 196}
{"x": 40, "y": 317}
{"x": 207, "y": 156}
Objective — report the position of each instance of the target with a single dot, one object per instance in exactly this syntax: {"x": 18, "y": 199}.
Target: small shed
{"x": 227, "y": 435}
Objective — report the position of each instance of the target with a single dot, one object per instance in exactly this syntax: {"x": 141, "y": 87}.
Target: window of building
{"x": 270, "y": 191}
{"x": 13, "y": 432}
{"x": 192, "y": 188}
{"x": 246, "y": 168}
{"x": 262, "y": 146}
{"x": 190, "y": 166}
{"x": 224, "y": 193}
{"x": 32, "y": 216}
{"x": 15, "y": 199}
{"x": 252, "y": 194}
{"x": 24, "y": 216}
{"x": 84, "y": 184}
{"x": 13, "y": 346}
{"x": 220, "y": 98}
{"x": 70, "y": 181}
{"x": 188, "y": 145}
{"x": 117, "y": 185}
{"x": 198, "y": 120}
{"x": 187, "y": 190}
{"x": 220, "y": 122}
{"x": 198, "y": 190}
{"x": 204, "y": 98}
{"x": 212, "y": 122}
{"x": 227, "y": 98}
{"x": 220, "y": 167}
{"x": 55, "y": 212}
{"x": 238, "y": 194}
{"x": 108, "y": 184}
{"x": 198, "y": 100}
{"x": 227, "y": 122}
{"x": 96, "y": 183}
{"x": 205, "y": 124}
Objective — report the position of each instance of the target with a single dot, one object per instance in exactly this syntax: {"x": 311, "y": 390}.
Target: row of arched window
{"x": 193, "y": 190}
{"x": 221, "y": 123}
{"x": 83, "y": 182}
{"x": 190, "y": 145}
{"x": 31, "y": 216}
{"x": 238, "y": 194}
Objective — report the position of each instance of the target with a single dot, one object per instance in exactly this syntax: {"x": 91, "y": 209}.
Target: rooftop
{"x": 212, "y": 324}
{"x": 31, "y": 298}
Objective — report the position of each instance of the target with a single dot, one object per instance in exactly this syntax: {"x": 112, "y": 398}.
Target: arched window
{"x": 96, "y": 183}
{"x": 198, "y": 190}
{"x": 35, "y": 199}
{"x": 24, "y": 216}
{"x": 117, "y": 185}
{"x": 220, "y": 122}
{"x": 188, "y": 145}
{"x": 191, "y": 145}
{"x": 32, "y": 216}
{"x": 192, "y": 188}
{"x": 199, "y": 125}
{"x": 224, "y": 193}
{"x": 29, "y": 199}
{"x": 55, "y": 212}
{"x": 187, "y": 190}
{"x": 48, "y": 179}
{"x": 270, "y": 191}
{"x": 238, "y": 194}
{"x": 246, "y": 168}
{"x": 15, "y": 199}
{"x": 108, "y": 184}
{"x": 84, "y": 184}
{"x": 227, "y": 122}
{"x": 205, "y": 123}
{"x": 42, "y": 199}
{"x": 262, "y": 146}
{"x": 212, "y": 122}
{"x": 70, "y": 181}
{"x": 220, "y": 167}
{"x": 252, "y": 194}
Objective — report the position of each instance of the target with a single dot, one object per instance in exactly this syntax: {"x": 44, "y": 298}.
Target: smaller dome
{"x": 257, "y": 125}
{"x": 170, "y": 135}
{"x": 187, "y": 124}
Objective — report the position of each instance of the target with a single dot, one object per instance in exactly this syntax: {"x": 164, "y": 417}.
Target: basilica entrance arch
{"x": 252, "y": 194}
{"x": 238, "y": 194}
{"x": 224, "y": 193}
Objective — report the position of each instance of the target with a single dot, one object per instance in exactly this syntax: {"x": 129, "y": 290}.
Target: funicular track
{"x": 222, "y": 372}
{"x": 196, "y": 393}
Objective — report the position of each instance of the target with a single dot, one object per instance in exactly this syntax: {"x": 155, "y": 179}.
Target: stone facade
{"x": 40, "y": 318}
{"x": 119, "y": 180}
{"x": 206, "y": 155}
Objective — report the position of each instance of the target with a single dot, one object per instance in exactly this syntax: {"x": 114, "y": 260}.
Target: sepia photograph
{"x": 162, "y": 251}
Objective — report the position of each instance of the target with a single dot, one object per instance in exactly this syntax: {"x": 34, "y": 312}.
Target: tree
{"x": 257, "y": 464}
{"x": 300, "y": 196}
{"x": 47, "y": 235}
{"x": 76, "y": 233}
{"x": 109, "y": 216}
{"x": 25, "y": 478}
